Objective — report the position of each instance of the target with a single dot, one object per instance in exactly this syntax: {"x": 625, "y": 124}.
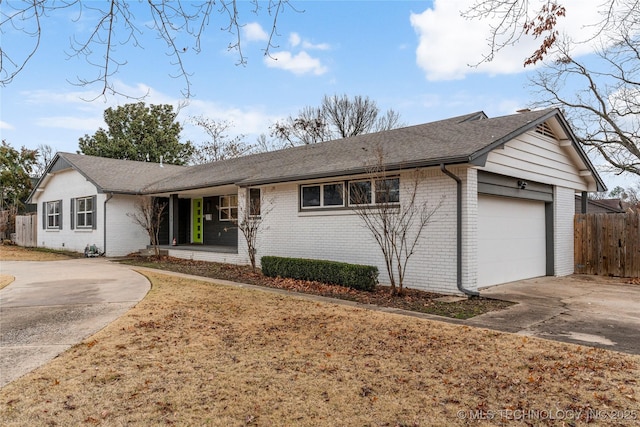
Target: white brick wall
{"x": 123, "y": 235}
{"x": 341, "y": 235}
{"x": 65, "y": 186}
{"x": 469, "y": 178}
{"x": 563, "y": 213}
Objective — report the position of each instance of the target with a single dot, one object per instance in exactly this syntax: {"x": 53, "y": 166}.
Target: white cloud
{"x": 254, "y": 32}
{"x": 301, "y": 63}
{"x": 247, "y": 120}
{"x": 294, "y": 39}
{"x": 5, "y": 125}
{"x": 319, "y": 46}
{"x": 448, "y": 43}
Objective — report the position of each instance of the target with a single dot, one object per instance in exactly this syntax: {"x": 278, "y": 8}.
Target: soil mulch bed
{"x": 412, "y": 299}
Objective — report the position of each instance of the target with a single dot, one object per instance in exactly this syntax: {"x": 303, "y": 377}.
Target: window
{"x": 254, "y": 202}
{"x": 332, "y": 194}
{"x": 311, "y": 196}
{"x": 53, "y": 214}
{"x": 84, "y": 212}
{"x": 387, "y": 190}
{"x": 360, "y": 193}
{"x": 228, "y": 207}
{"x": 322, "y": 195}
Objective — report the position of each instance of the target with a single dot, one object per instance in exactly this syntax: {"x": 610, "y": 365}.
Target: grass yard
{"x": 17, "y": 253}
{"x": 193, "y": 353}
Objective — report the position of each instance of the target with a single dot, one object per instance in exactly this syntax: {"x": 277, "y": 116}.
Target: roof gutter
{"x": 458, "y": 232}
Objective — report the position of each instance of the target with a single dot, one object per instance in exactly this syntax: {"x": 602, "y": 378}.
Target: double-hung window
{"x": 330, "y": 195}
{"x": 53, "y": 214}
{"x": 84, "y": 212}
{"x": 228, "y": 208}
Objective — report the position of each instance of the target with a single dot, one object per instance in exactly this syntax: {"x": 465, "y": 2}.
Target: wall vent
{"x": 545, "y": 129}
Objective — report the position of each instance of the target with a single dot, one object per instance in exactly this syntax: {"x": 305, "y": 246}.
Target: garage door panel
{"x": 511, "y": 239}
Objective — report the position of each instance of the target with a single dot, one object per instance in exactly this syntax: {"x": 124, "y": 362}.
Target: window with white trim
{"x": 84, "y": 212}
{"x": 53, "y": 215}
{"x": 228, "y": 209}
{"x": 329, "y": 195}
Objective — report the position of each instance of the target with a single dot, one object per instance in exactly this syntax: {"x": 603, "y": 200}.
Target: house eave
{"x": 392, "y": 167}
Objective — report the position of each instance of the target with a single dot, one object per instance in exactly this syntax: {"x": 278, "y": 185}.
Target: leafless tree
{"x": 251, "y": 223}
{"x": 148, "y": 215}
{"x": 220, "y": 145}
{"x": 605, "y": 109}
{"x": 45, "y": 156}
{"x": 389, "y": 206}
{"x": 181, "y": 25}
{"x": 337, "y": 117}
{"x": 308, "y": 127}
{"x": 516, "y": 18}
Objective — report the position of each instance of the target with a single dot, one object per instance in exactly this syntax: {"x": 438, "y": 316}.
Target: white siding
{"x": 563, "y": 213}
{"x": 537, "y": 158}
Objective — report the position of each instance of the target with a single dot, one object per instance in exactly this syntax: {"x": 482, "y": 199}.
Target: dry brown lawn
{"x": 17, "y": 253}
{"x": 5, "y": 280}
{"x": 193, "y": 353}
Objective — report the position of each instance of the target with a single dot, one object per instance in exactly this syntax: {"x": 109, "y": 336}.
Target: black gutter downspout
{"x": 458, "y": 232}
{"x": 104, "y": 224}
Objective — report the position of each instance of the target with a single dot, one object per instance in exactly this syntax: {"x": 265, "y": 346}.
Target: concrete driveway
{"x": 56, "y": 304}
{"x": 590, "y": 310}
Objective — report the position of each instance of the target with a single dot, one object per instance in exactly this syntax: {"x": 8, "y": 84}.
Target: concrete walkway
{"x": 54, "y": 305}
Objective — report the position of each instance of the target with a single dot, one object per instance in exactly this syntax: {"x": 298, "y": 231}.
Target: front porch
{"x": 202, "y": 221}
{"x": 201, "y": 248}
{"x": 208, "y": 253}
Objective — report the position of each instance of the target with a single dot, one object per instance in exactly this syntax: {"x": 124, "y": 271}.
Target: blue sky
{"x": 411, "y": 56}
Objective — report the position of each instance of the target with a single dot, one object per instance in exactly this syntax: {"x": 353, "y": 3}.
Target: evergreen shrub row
{"x": 361, "y": 277}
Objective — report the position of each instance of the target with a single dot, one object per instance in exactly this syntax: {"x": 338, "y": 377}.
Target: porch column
{"x": 173, "y": 218}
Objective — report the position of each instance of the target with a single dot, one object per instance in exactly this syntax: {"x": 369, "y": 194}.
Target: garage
{"x": 511, "y": 239}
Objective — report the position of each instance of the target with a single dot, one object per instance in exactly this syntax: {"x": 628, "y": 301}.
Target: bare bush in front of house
{"x": 148, "y": 215}
{"x": 251, "y": 224}
{"x": 396, "y": 223}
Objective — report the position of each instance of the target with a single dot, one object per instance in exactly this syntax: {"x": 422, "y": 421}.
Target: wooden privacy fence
{"x": 26, "y": 230}
{"x": 607, "y": 244}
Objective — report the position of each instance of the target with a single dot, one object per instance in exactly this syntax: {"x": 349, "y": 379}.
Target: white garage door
{"x": 511, "y": 240}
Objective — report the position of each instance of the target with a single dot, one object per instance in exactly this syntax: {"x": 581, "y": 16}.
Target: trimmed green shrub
{"x": 361, "y": 277}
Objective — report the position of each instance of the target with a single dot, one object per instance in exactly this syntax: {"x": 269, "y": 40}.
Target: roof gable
{"x": 109, "y": 175}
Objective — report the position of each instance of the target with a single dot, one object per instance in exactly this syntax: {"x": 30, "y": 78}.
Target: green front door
{"x": 196, "y": 223}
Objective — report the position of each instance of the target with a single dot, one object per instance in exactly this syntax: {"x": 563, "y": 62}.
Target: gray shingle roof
{"x": 455, "y": 140}
{"x": 462, "y": 139}
{"x": 118, "y": 176}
